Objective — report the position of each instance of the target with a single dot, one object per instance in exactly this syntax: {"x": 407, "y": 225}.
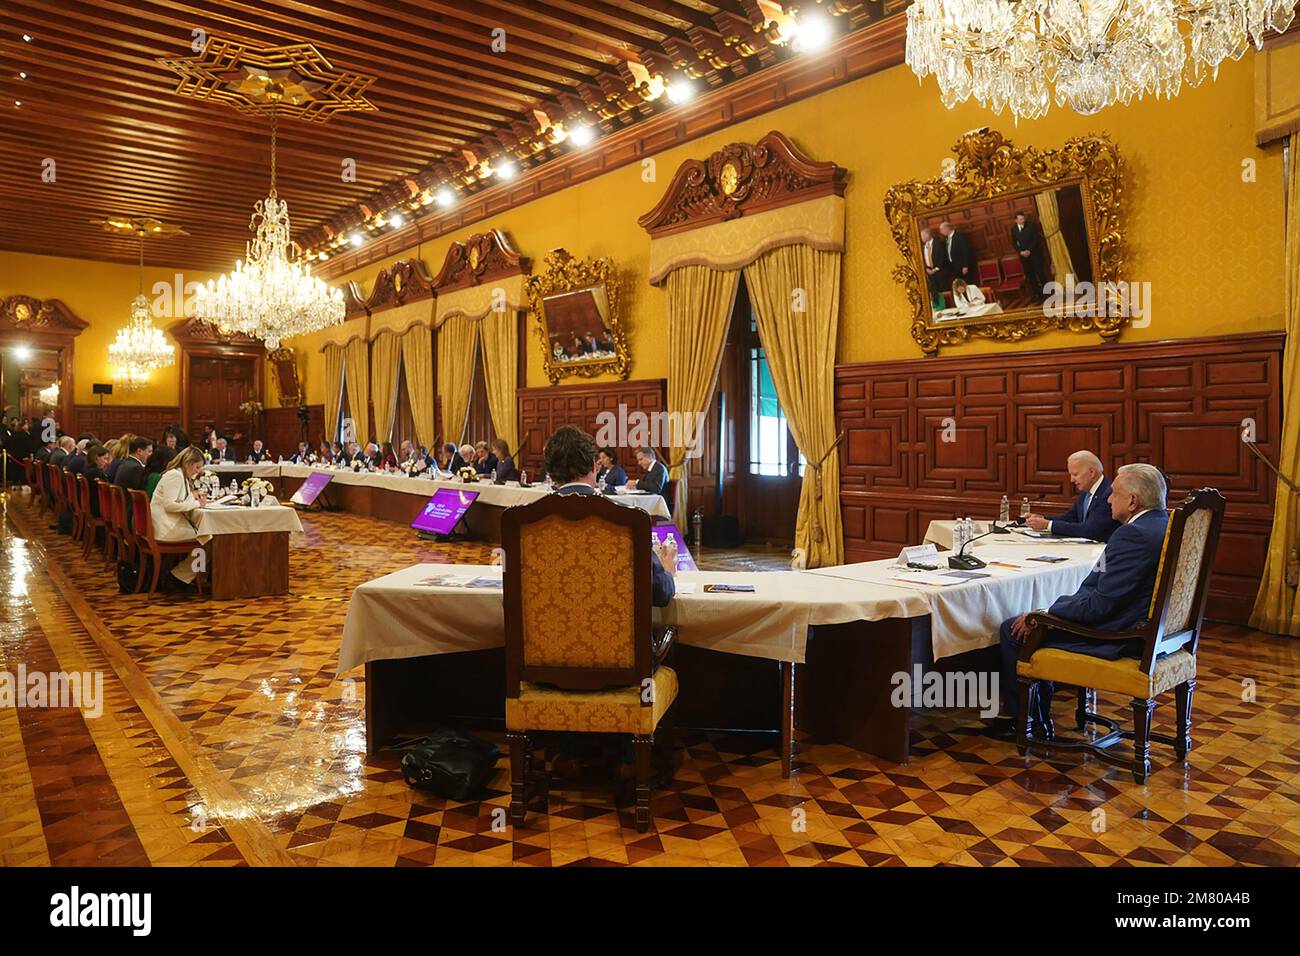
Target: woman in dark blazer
{"x": 506, "y": 470}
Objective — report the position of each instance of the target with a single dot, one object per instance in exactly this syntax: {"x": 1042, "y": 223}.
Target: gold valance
{"x": 400, "y": 318}
{"x": 1277, "y": 90}
{"x": 358, "y": 328}
{"x": 728, "y": 246}
{"x": 476, "y": 301}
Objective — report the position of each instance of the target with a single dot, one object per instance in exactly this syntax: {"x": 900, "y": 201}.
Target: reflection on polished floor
{"x": 225, "y": 739}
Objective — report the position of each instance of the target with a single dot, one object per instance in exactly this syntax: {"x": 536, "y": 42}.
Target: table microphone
{"x": 961, "y": 561}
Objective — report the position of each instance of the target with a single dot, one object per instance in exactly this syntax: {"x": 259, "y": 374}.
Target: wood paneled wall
{"x": 281, "y": 430}
{"x": 1015, "y": 417}
{"x": 543, "y": 410}
{"x": 113, "y": 421}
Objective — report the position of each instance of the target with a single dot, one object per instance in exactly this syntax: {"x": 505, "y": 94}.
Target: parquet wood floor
{"x": 225, "y": 739}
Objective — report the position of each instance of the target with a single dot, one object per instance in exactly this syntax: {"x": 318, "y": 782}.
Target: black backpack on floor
{"x": 127, "y": 575}
{"x": 449, "y": 763}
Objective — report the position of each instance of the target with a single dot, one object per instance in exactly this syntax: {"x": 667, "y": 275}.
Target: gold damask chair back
{"x": 1169, "y": 638}
{"x": 579, "y": 655}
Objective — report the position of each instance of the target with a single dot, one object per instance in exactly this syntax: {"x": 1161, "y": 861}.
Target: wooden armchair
{"x": 91, "y": 522}
{"x": 153, "y": 549}
{"x": 1168, "y": 638}
{"x": 580, "y": 653}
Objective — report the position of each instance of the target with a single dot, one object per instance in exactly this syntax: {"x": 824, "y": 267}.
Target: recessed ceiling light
{"x": 27, "y": 38}
{"x": 681, "y": 91}
{"x": 397, "y": 220}
{"x": 581, "y": 135}
{"x": 445, "y": 197}
{"x": 812, "y": 33}
{"x": 22, "y": 353}
{"x": 356, "y": 239}
{"x": 507, "y": 170}
{"x": 18, "y": 104}
{"x": 22, "y": 75}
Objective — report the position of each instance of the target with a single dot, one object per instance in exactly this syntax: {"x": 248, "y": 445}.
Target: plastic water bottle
{"x": 1004, "y": 510}
{"x": 958, "y": 535}
{"x": 1024, "y": 507}
{"x": 523, "y": 477}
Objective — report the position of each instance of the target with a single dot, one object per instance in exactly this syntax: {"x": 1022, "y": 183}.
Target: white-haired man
{"x": 1088, "y": 517}
{"x": 1116, "y": 596}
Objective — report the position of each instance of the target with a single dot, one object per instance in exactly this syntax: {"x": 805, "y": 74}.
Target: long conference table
{"x": 400, "y": 498}
{"x": 433, "y": 649}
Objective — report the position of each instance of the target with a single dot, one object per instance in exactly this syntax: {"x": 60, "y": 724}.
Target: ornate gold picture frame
{"x": 988, "y": 172}
{"x": 575, "y": 303}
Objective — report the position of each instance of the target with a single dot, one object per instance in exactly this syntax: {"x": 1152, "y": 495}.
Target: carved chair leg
{"x": 1087, "y": 705}
{"x": 518, "y": 777}
{"x": 643, "y": 747}
{"x": 1028, "y": 691}
{"x": 1142, "y": 710}
{"x": 1183, "y": 694}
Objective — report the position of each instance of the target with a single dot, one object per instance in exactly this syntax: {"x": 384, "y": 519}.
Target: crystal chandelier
{"x": 49, "y": 395}
{"x": 1087, "y": 54}
{"x": 140, "y": 347}
{"x": 270, "y": 295}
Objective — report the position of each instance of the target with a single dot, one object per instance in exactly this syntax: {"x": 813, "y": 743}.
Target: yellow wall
{"x": 99, "y": 293}
{"x": 1209, "y": 243}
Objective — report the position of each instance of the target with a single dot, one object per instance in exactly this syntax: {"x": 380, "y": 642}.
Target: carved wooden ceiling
{"x": 97, "y": 102}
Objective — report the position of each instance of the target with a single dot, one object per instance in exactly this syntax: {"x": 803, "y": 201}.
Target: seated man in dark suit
{"x": 130, "y": 474}
{"x": 571, "y": 462}
{"x": 222, "y": 453}
{"x": 485, "y": 462}
{"x": 656, "y": 473}
{"x": 1114, "y": 597}
{"x": 259, "y": 453}
{"x": 611, "y": 475}
{"x": 1088, "y": 517}
{"x": 97, "y": 458}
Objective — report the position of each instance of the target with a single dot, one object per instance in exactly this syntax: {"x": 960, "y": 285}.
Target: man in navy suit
{"x": 656, "y": 474}
{"x": 571, "y": 462}
{"x": 959, "y": 254}
{"x": 1116, "y": 596}
{"x": 1088, "y": 517}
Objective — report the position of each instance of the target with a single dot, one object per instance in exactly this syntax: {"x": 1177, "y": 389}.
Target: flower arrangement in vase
{"x": 467, "y": 474}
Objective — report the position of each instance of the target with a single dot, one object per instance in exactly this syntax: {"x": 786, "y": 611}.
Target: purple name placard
{"x": 310, "y": 489}
{"x": 663, "y": 532}
{"x": 443, "y": 510}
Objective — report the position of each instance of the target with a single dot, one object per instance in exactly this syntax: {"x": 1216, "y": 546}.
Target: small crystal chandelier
{"x": 140, "y": 347}
{"x": 49, "y": 395}
{"x": 1087, "y": 54}
{"x": 270, "y": 295}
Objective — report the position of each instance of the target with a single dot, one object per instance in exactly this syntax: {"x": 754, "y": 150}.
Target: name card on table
{"x": 918, "y": 553}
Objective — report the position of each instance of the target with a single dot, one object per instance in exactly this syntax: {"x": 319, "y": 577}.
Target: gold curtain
{"x": 417, "y": 357}
{"x": 385, "y": 353}
{"x": 499, "y": 333}
{"x": 1276, "y": 609}
{"x": 457, "y": 339}
{"x": 1049, "y": 214}
{"x": 357, "y": 381}
{"x": 333, "y": 388}
{"x": 796, "y": 295}
{"x": 699, "y": 305}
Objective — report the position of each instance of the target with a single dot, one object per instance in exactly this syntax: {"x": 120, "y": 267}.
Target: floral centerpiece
{"x": 259, "y": 485}
{"x": 356, "y": 464}
{"x": 467, "y": 473}
{"x": 251, "y": 407}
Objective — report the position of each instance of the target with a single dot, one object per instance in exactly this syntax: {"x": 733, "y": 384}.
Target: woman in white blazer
{"x": 174, "y": 502}
{"x": 966, "y": 297}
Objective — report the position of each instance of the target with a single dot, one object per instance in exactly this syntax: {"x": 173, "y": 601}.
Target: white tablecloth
{"x": 263, "y": 470}
{"x": 501, "y": 496}
{"x": 966, "y": 616}
{"x": 393, "y": 618}
{"x": 939, "y": 533}
{"x": 238, "y": 520}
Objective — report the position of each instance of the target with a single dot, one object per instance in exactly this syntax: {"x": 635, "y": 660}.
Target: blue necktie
{"x": 1087, "y": 502}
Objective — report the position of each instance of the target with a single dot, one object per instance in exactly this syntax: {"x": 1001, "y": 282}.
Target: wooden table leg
{"x": 787, "y": 718}
{"x": 846, "y": 686}
{"x": 249, "y": 565}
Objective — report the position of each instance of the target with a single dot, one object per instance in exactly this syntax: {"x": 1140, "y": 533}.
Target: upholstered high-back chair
{"x": 580, "y": 652}
{"x": 153, "y": 549}
{"x": 112, "y": 538}
{"x": 1168, "y": 638}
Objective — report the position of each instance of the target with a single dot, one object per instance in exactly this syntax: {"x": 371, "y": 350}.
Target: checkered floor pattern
{"x": 225, "y": 739}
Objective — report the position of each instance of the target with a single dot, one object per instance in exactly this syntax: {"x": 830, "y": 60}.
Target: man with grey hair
{"x": 61, "y": 451}
{"x": 1116, "y": 596}
{"x": 1088, "y": 517}
{"x": 656, "y": 474}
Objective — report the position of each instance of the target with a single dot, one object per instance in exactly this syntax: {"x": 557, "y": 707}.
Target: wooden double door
{"x": 218, "y": 385}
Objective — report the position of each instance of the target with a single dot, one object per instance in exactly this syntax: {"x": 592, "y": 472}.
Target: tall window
{"x": 771, "y": 447}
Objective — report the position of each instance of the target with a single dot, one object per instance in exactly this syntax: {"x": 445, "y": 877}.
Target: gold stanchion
{"x": 4, "y": 474}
